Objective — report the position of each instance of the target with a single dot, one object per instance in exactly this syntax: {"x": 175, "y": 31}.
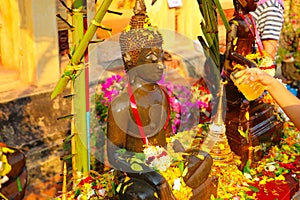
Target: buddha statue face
{"x": 149, "y": 65}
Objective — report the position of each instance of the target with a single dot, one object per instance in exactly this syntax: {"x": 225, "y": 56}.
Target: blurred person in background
{"x": 269, "y": 20}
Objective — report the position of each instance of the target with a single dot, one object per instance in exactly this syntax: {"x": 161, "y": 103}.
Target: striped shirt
{"x": 269, "y": 19}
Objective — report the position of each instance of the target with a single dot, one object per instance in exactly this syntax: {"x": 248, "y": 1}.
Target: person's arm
{"x": 270, "y": 46}
{"x": 269, "y": 20}
{"x": 285, "y": 99}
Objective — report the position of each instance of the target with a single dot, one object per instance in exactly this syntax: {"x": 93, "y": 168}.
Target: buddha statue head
{"x": 140, "y": 42}
{"x": 245, "y": 6}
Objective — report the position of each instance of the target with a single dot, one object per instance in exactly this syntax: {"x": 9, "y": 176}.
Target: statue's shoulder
{"x": 120, "y": 102}
{"x": 163, "y": 88}
{"x": 235, "y": 20}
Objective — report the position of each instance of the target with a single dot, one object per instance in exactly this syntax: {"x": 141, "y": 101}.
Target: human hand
{"x": 255, "y": 75}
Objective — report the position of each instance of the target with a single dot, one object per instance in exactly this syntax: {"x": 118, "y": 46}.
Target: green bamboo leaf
{"x": 67, "y": 139}
{"x": 253, "y": 188}
{"x": 105, "y": 28}
{"x": 114, "y": 12}
{"x": 97, "y": 41}
{"x": 66, "y": 117}
{"x": 60, "y": 87}
{"x": 208, "y": 39}
{"x": 77, "y": 192}
{"x": 203, "y": 43}
{"x": 210, "y": 30}
{"x": 114, "y": 189}
{"x": 69, "y": 96}
{"x": 222, "y": 14}
{"x": 67, "y": 157}
{"x": 66, "y": 146}
{"x": 65, "y": 21}
{"x": 19, "y": 184}
{"x": 247, "y": 168}
{"x": 181, "y": 167}
{"x": 207, "y": 17}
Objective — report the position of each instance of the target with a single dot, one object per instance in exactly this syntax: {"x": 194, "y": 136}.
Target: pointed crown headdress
{"x": 138, "y": 34}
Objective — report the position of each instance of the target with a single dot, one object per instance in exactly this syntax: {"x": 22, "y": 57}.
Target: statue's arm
{"x": 116, "y": 142}
{"x": 231, "y": 36}
{"x": 232, "y": 54}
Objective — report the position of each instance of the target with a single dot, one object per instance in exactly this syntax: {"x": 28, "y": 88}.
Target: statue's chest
{"x": 150, "y": 112}
{"x": 145, "y": 101}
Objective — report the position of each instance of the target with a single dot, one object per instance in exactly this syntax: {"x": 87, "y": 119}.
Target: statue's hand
{"x": 166, "y": 192}
{"x": 177, "y": 146}
{"x": 242, "y": 60}
{"x": 199, "y": 165}
{"x": 157, "y": 181}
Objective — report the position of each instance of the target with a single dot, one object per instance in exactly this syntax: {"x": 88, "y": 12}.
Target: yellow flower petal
{"x": 247, "y": 116}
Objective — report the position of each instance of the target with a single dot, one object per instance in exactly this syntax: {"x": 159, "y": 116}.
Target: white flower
{"x": 157, "y": 158}
{"x": 3, "y": 180}
{"x": 102, "y": 192}
{"x": 270, "y": 167}
{"x": 247, "y": 176}
{"x": 177, "y": 184}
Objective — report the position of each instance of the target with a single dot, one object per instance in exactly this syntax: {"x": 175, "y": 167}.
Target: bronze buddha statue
{"x": 264, "y": 126}
{"x": 140, "y": 117}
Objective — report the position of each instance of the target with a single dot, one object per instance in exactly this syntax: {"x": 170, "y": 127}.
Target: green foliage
{"x": 289, "y": 44}
{"x": 247, "y": 167}
{"x": 254, "y": 189}
{"x": 209, "y": 26}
